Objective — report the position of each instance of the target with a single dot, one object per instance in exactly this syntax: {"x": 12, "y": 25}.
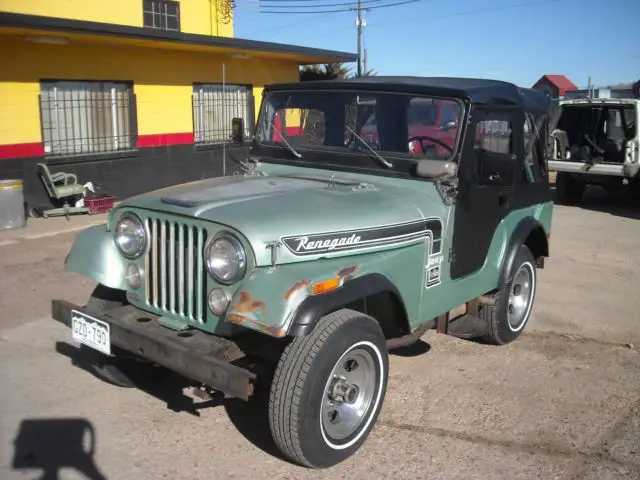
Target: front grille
{"x": 175, "y": 271}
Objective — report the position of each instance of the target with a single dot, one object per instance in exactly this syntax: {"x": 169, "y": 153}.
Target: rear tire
{"x": 569, "y": 189}
{"x": 328, "y": 389}
{"x": 508, "y": 317}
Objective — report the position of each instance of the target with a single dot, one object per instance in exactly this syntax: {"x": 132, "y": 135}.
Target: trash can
{"x": 12, "y": 204}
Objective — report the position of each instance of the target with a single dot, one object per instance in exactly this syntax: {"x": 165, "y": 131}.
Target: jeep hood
{"x": 330, "y": 213}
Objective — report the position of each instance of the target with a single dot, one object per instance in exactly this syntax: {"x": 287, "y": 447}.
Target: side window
{"x": 494, "y": 136}
{"x": 493, "y": 143}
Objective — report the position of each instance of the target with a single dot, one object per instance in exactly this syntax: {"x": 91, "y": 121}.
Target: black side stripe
{"x": 347, "y": 240}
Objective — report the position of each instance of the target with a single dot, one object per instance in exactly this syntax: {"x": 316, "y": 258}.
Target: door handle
{"x": 503, "y": 200}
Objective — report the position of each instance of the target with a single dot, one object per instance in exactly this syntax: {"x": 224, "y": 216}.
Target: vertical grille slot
{"x": 175, "y": 269}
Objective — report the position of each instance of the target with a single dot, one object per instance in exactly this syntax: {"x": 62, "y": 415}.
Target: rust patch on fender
{"x": 347, "y": 273}
{"x": 293, "y": 297}
{"x": 249, "y": 312}
{"x": 271, "y": 330}
{"x": 296, "y": 288}
{"x": 247, "y": 304}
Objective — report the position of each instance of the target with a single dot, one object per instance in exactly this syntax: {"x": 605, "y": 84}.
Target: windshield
{"x": 393, "y": 125}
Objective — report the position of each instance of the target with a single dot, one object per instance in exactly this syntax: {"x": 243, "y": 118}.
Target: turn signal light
{"x": 327, "y": 285}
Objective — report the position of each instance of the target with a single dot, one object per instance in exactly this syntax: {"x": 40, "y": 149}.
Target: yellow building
{"x": 130, "y": 94}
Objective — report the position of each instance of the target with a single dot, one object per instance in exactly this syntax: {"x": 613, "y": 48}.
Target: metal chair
{"x": 60, "y": 186}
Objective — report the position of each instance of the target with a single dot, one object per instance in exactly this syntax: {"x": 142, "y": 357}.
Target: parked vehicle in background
{"x": 326, "y": 251}
{"x": 595, "y": 142}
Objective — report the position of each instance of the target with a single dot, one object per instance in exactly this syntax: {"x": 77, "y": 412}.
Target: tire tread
{"x": 491, "y": 313}
{"x": 289, "y": 379}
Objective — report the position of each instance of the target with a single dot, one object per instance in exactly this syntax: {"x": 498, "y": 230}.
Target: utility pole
{"x": 365, "y": 61}
{"x": 359, "y": 25}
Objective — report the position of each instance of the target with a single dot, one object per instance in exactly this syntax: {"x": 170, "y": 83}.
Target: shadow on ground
{"x": 53, "y": 444}
{"x": 420, "y": 347}
{"x": 624, "y": 203}
{"x": 249, "y": 418}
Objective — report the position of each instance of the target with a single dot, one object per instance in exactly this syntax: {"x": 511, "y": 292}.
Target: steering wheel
{"x": 419, "y": 138}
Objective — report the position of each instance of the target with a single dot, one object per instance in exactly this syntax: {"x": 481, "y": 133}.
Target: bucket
{"x": 11, "y": 204}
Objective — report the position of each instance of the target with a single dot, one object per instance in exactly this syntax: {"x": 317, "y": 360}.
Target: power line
{"x": 289, "y": 26}
{"x": 422, "y": 18}
{"x": 374, "y": 7}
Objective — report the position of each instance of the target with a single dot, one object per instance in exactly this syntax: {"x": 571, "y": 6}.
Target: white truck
{"x": 594, "y": 141}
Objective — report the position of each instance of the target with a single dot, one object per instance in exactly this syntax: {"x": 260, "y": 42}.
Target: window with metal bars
{"x": 163, "y": 14}
{"x": 214, "y": 107}
{"x": 87, "y": 117}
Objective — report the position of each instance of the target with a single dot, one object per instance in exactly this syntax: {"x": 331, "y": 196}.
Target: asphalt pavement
{"x": 561, "y": 402}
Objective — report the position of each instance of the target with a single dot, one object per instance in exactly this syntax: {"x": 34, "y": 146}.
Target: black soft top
{"x": 476, "y": 90}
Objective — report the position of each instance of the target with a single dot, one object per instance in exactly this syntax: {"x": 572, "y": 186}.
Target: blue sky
{"x": 513, "y": 40}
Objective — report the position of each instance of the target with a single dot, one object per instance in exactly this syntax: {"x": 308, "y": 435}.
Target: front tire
{"x": 328, "y": 389}
{"x": 509, "y": 315}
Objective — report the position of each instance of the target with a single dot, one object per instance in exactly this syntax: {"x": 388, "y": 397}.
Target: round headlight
{"x": 130, "y": 236}
{"x": 225, "y": 259}
{"x": 218, "y": 301}
{"x": 133, "y": 276}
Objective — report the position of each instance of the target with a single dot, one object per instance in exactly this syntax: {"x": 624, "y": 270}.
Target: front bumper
{"x": 194, "y": 354}
{"x": 623, "y": 170}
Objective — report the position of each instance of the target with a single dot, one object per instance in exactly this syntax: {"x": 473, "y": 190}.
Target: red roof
{"x": 562, "y": 83}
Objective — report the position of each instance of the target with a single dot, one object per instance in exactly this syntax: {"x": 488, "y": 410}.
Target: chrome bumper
{"x": 624, "y": 170}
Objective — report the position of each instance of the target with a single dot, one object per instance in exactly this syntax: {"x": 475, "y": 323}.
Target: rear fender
{"x": 527, "y": 228}
{"x": 94, "y": 255}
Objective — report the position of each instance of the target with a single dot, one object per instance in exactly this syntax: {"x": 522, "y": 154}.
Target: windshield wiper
{"x": 284, "y": 140}
{"x": 383, "y": 160}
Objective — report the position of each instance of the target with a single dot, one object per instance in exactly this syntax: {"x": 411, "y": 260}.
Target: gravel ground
{"x": 561, "y": 402}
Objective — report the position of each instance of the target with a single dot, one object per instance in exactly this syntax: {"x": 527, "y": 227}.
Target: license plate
{"x": 90, "y": 331}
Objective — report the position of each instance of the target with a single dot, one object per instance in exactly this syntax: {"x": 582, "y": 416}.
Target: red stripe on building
{"x": 21, "y": 150}
{"x": 164, "y": 139}
{"x": 294, "y": 131}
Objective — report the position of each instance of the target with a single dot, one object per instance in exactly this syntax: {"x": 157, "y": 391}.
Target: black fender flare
{"x": 314, "y": 307}
{"x": 518, "y": 237}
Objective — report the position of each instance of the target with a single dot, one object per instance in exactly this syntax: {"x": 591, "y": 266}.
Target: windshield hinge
{"x": 275, "y": 247}
{"x": 448, "y": 191}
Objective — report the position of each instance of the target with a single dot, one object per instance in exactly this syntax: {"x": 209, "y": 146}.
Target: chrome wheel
{"x": 520, "y": 296}
{"x": 349, "y": 393}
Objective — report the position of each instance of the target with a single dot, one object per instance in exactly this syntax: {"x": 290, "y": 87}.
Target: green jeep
{"x": 333, "y": 245}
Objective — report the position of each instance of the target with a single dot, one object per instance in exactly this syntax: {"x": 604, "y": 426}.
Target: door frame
{"x": 466, "y": 219}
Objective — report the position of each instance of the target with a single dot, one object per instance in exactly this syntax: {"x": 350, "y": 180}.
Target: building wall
{"x": 204, "y": 17}
{"x": 162, "y": 79}
{"x": 163, "y": 85}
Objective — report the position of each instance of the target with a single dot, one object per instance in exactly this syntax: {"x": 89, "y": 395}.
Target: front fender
{"x": 94, "y": 255}
{"x": 270, "y": 298}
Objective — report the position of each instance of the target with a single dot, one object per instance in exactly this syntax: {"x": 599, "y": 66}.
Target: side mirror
{"x": 436, "y": 169}
{"x": 237, "y": 131}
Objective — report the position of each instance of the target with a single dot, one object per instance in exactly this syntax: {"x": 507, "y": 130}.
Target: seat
{"x": 60, "y": 186}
